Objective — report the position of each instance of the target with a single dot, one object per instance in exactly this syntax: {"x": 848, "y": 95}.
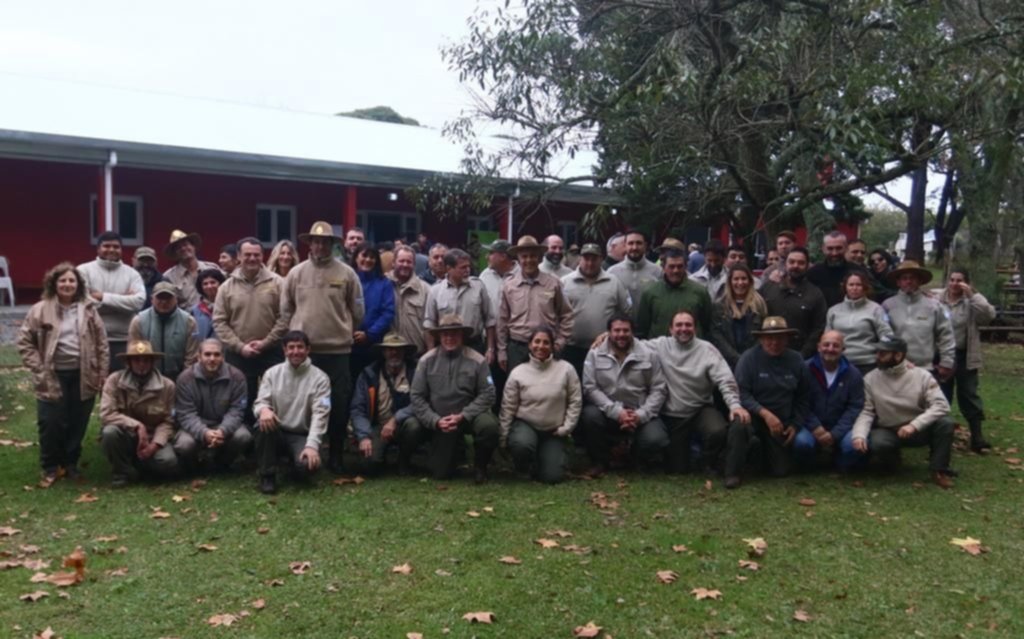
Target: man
{"x": 117, "y": 288}
{"x": 636, "y": 272}
{"x": 624, "y": 389}
{"x": 247, "y": 318}
{"x": 828, "y": 276}
{"x": 452, "y": 395}
{"x": 904, "y": 406}
{"x": 615, "y": 248}
{"x": 857, "y": 252}
{"x": 410, "y": 299}
{"x": 436, "y": 270}
{"x": 921, "y": 321}
{"x": 500, "y": 267}
{"x": 799, "y": 302}
{"x": 136, "y": 412}
{"x": 460, "y": 294}
{"x": 771, "y": 259}
{"x": 209, "y": 406}
{"x": 182, "y": 248}
{"x": 695, "y": 258}
{"x": 382, "y": 404}
{"x": 353, "y": 239}
{"x": 292, "y": 410}
{"x": 774, "y": 385}
{"x": 837, "y": 397}
{"x": 785, "y": 241}
{"x": 660, "y": 302}
{"x": 228, "y": 258}
{"x": 694, "y": 370}
{"x": 595, "y": 297}
{"x": 530, "y": 299}
{"x": 322, "y": 297}
{"x": 712, "y": 275}
{"x": 552, "y": 262}
{"x": 144, "y": 262}
{"x": 169, "y": 329}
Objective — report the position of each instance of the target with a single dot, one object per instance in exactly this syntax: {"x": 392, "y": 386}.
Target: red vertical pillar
{"x": 349, "y": 208}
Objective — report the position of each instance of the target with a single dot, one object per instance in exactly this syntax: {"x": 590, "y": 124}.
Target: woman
{"x": 539, "y": 409}
{"x": 207, "y": 283}
{"x": 283, "y": 258}
{"x": 880, "y": 265}
{"x": 968, "y": 310}
{"x": 862, "y": 322}
{"x": 737, "y": 315}
{"x": 63, "y": 343}
{"x": 379, "y": 300}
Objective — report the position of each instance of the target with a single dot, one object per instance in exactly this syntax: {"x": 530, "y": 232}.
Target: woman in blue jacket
{"x": 379, "y": 298}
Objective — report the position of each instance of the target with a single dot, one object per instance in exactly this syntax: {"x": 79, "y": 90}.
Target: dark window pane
{"x": 284, "y": 224}
{"x": 263, "y": 228}
{"x": 127, "y": 220}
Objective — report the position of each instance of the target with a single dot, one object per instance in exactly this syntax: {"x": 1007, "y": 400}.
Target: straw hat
{"x": 775, "y": 325}
{"x": 141, "y": 348}
{"x": 179, "y": 236}
{"x": 319, "y": 229}
{"x": 909, "y": 266}
{"x": 527, "y": 244}
{"x": 451, "y": 322}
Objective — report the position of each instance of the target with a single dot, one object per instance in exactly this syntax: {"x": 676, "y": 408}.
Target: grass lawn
{"x": 872, "y": 558}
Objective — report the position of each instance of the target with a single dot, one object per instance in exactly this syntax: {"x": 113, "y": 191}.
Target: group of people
{"x": 404, "y": 350}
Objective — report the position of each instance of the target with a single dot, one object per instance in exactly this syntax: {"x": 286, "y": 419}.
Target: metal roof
{"x": 67, "y": 121}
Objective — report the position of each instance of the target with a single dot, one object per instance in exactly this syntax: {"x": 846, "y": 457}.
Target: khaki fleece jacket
{"x": 249, "y": 310}
{"x": 324, "y": 299}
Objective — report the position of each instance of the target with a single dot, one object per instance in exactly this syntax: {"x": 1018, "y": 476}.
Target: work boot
{"x": 942, "y": 480}
{"x": 732, "y": 482}
{"x": 978, "y": 443}
{"x": 268, "y": 484}
{"x": 480, "y": 475}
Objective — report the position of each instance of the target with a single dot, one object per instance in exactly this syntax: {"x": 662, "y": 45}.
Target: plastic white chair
{"x": 6, "y": 283}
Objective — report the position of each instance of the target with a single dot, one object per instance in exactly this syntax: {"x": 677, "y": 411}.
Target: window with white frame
{"x": 567, "y": 231}
{"x": 275, "y": 222}
{"x": 127, "y": 218}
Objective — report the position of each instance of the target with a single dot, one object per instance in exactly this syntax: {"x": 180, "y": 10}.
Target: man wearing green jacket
{"x": 673, "y": 293}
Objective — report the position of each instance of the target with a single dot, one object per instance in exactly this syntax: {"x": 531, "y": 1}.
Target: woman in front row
{"x": 63, "y": 343}
{"x": 539, "y": 409}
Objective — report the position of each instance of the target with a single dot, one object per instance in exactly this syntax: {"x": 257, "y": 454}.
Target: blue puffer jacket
{"x": 379, "y": 297}
{"x": 835, "y": 408}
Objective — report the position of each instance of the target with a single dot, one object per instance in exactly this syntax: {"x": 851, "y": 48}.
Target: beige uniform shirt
{"x": 410, "y": 302}
{"x": 527, "y": 303}
{"x": 185, "y": 282}
{"x": 469, "y": 301}
{"x": 129, "y": 407}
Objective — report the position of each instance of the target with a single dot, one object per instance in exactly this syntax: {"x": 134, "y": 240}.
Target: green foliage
{"x": 380, "y": 114}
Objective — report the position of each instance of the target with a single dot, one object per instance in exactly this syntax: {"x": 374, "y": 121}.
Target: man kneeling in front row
{"x": 904, "y": 407}
{"x": 292, "y": 409}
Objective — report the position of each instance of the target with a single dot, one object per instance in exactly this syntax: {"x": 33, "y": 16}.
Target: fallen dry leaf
{"x": 86, "y": 498}
{"x": 159, "y": 514}
{"x": 1013, "y": 461}
{"x": 46, "y": 634}
{"x": 801, "y": 616}
{"x": 489, "y": 509}
{"x": 442, "y": 573}
{"x": 741, "y": 578}
{"x": 414, "y": 635}
{"x": 11, "y": 563}
{"x": 579, "y": 550}
{"x": 341, "y": 481}
{"x": 510, "y": 560}
{"x": 667, "y": 576}
{"x": 7, "y": 531}
{"x": 222, "y": 620}
{"x": 117, "y": 572}
{"x": 679, "y": 548}
{"x": 749, "y": 565}
{"x": 214, "y": 517}
{"x": 558, "y": 533}
{"x": 28, "y": 549}
{"x": 34, "y": 596}
{"x": 180, "y": 498}
{"x": 708, "y": 485}
{"x": 402, "y": 569}
{"x": 198, "y": 483}
{"x": 704, "y": 593}
{"x": 35, "y": 564}
{"x": 808, "y": 502}
{"x": 259, "y": 604}
{"x": 546, "y": 543}
{"x": 106, "y": 539}
{"x": 480, "y": 617}
{"x": 969, "y": 545}
{"x": 589, "y": 630}
{"x": 273, "y": 583}
{"x": 76, "y": 560}
{"x": 262, "y": 530}
{"x": 472, "y": 513}
{"x": 62, "y": 579}
{"x": 299, "y": 567}
{"x": 206, "y": 547}
{"x": 758, "y": 546}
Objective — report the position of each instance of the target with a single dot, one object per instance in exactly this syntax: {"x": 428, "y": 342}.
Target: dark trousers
{"x": 886, "y": 444}
{"x": 375, "y": 462}
{"x": 538, "y": 451}
{"x": 649, "y": 439}
{"x": 575, "y": 355}
{"x": 117, "y": 348}
{"x": 965, "y": 383}
{"x": 62, "y": 424}
{"x": 120, "y": 445}
{"x": 272, "y": 444}
{"x": 518, "y": 353}
{"x": 709, "y": 425}
{"x": 444, "y": 447}
{"x": 776, "y": 459}
{"x": 337, "y": 369}
{"x": 253, "y": 369}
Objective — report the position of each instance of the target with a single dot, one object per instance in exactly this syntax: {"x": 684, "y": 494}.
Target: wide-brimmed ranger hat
{"x": 671, "y": 244}
{"x": 909, "y": 266}
{"x": 497, "y": 246}
{"x": 527, "y": 244}
{"x": 775, "y": 325}
{"x": 451, "y": 322}
{"x": 394, "y": 340}
{"x": 177, "y": 237}
{"x": 320, "y": 229}
{"x": 891, "y": 345}
{"x": 141, "y": 348}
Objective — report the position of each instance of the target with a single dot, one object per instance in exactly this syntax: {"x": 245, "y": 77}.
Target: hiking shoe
{"x": 480, "y": 475}
{"x": 268, "y": 484}
{"x": 732, "y": 482}
{"x": 942, "y": 480}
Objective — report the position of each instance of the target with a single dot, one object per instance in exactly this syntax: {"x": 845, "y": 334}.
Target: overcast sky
{"x": 321, "y": 56}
